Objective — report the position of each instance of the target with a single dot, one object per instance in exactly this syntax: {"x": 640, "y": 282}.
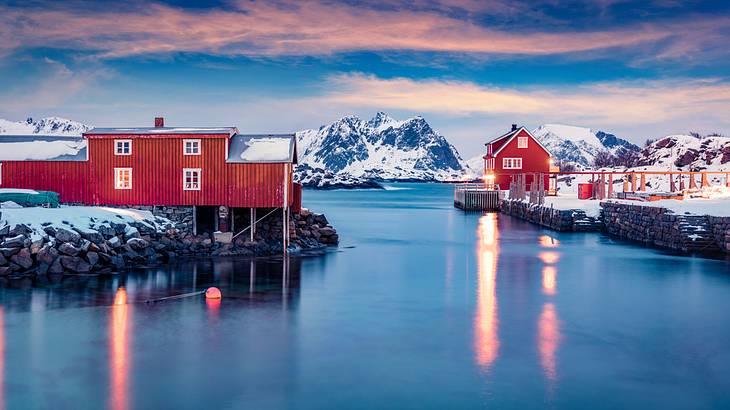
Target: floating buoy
{"x": 213, "y": 293}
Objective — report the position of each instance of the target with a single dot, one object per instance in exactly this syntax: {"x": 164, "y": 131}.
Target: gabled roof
{"x": 512, "y": 136}
{"x": 42, "y": 148}
{"x": 509, "y": 134}
{"x": 263, "y": 148}
{"x": 162, "y": 131}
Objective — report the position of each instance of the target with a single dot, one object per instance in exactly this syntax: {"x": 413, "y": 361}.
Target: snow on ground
{"x": 566, "y": 202}
{"x": 82, "y": 218}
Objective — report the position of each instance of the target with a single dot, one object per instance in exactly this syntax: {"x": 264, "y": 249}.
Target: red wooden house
{"x": 217, "y": 171}
{"x": 516, "y": 152}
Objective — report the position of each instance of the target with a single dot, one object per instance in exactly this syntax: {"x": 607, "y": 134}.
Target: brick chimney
{"x": 159, "y": 122}
{"x": 514, "y": 127}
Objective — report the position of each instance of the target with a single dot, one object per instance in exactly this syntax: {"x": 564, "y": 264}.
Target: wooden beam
{"x": 642, "y": 184}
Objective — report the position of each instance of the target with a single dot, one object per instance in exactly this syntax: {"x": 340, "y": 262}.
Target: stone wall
{"x": 560, "y": 220}
{"x": 721, "y": 231}
{"x": 660, "y": 227}
{"x": 181, "y": 216}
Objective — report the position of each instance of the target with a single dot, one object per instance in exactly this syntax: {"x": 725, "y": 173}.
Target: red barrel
{"x": 585, "y": 191}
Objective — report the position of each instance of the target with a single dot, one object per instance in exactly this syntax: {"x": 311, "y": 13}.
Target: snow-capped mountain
{"x": 381, "y": 148}
{"x": 580, "y": 145}
{"x": 688, "y": 153}
{"x": 44, "y": 126}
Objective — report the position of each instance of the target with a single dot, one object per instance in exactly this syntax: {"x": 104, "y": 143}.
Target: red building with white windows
{"x": 516, "y": 152}
{"x": 218, "y": 172}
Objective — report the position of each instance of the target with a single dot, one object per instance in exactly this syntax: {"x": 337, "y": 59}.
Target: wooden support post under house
{"x": 682, "y": 187}
{"x": 727, "y": 180}
{"x": 705, "y": 182}
{"x": 253, "y": 224}
{"x": 602, "y": 187}
{"x": 610, "y": 185}
{"x": 692, "y": 181}
{"x": 632, "y": 176}
{"x": 642, "y": 184}
{"x": 672, "y": 185}
{"x": 626, "y": 183}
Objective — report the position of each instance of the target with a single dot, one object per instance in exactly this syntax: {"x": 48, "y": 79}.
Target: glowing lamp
{"x": 213, "y": 293}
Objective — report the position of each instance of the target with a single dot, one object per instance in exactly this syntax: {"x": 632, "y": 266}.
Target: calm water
{"x": 421, "y": 307}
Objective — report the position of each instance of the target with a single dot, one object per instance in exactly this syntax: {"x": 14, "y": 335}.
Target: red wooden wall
{"x": 157, "y": 176}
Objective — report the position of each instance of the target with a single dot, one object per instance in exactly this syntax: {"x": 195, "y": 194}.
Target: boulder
{"x": 3, "y": 261}
{"x": 8, "y": 252}
{"x": 5, "y": 270}
{"x": 47, "y": 254}
{"x": 5, "y": 230}
{"x": 92, "y": 258}
{"x": 114, "y": 242}
{"x": 92, "y": 236}
{"x": 23, "y": 259}
{"x": 17, "y": 241}
{"x": 19, "y": 229}
{"x": 50, "y": 231}
{"x": 65, "y": 235}
{"x": 137, "y": 244}
{"x": 69, "y": 249}
{"x": 75, "y": 264}
{"x": 36, "y": 246}
{"x": 56, "y": 267}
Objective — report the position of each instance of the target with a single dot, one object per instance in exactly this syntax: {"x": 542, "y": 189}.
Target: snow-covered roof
{"x": 162, "y": 131}
{"x": 513, "y": 134}
{"x": 262, "y": 148}
{"x": 42, "y": 148}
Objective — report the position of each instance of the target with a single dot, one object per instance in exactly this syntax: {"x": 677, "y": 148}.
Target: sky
{"x": 639, "y": 69}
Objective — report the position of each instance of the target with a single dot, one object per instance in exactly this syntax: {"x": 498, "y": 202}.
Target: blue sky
{"x": 640, "y": 69}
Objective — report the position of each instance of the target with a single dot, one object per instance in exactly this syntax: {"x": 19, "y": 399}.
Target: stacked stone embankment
{"x": 110, "y": 246}
{"x": 661, "y": 227}
{"x": 571, "y": 220}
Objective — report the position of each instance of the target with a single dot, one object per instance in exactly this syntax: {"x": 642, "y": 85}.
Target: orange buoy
{"x": 213, "y": 293}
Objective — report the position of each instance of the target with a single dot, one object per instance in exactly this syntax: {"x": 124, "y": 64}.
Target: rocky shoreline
{"x": 112, "y": 246}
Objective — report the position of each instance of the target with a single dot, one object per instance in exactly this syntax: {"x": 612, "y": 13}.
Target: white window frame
{"x": 511, "y": 163}
{"x": 193, "y": 143}
{"x": 185, "y": 176}
{"x": 522, "y": 142}
{"x": 117, "y": 147}
{"x": 118, "y": 181}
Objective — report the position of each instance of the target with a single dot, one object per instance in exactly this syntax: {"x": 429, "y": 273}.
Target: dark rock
{"x": 5, "y": 230}
{"x": 137, "y": 244}
{"x": 8, "y": 252}
{"x": 92, "y": 258}
{"x": 75, "y": 264}
{"x": 47, "y": 254}
{"x": 93, "y": 237}
{"x": 17, "y": 241}
{"x": 23, "y": 259}
{"x": 50, "y": 231}
{"x": 3, "y": 261}
{"x": 65, "y": 235}
{"x": 5, "y": 270}
{"x": 56, "y": 267}
{"x": 69, "y": 249}
{"x": 19, "y": 229}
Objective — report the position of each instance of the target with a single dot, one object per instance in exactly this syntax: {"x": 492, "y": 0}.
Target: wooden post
{"x": 672, "y": 185}
{"x": 727, "y": 180}
{"x": 610, "y": 185}
{"x": 681, "y": 183}
{"x": 705, "y": 182}
{"x": 692, "y": 181}
{"x": 632, "y": 176}
{"x": 642, "y": 185}
{"x": 626, "y": 183}
{"x": 253, "y": 223}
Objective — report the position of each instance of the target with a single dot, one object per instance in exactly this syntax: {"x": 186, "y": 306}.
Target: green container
{"x": 22, "y": 197}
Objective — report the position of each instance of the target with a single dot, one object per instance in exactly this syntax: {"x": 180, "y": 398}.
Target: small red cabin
{"x": 516, "y": 152}
{"x": 214, "y": 170}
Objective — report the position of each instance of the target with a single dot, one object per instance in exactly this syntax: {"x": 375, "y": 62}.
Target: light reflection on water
{"x": 120, "y": 352}
{"x": 486, "y": 321}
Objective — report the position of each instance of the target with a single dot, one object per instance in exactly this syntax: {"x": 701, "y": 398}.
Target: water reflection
{"x": 486, "y": 322}
{"x": 119, "y": 341}
{"x": 548, "y": 340}
{"x": 2, "y": 358}
{"x": 548, "y": 327}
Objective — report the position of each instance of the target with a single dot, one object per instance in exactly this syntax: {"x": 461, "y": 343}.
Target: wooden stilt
{"x": 626, "y": 183}
{"x": 610, "y": 185}
{"x": 705, "y": 182}
{"x": 692, "y": 181}
{"x": 253, "y": 224}
{"x": 681, "y": 183}
{"x": 727, "y": 180}
{"x": 642, "y": 184}
{"x": 633, "y": 182}
{"x": 672, "y": 185}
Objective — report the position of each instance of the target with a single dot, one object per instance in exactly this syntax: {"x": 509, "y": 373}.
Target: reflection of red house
{"x": 516, "y": 152}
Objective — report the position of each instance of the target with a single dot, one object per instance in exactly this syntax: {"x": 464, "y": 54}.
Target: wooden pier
{"x": 476, "y": 197}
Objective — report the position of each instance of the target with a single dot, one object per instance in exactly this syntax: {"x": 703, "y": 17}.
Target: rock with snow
{"x": 688, "y": 153}
{"x": 381, "y": 148}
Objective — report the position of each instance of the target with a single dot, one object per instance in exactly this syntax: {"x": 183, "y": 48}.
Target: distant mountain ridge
{"x": 381, "y": 148}
{"x": 580, "y": 145}
{"x": 44, "y": 126}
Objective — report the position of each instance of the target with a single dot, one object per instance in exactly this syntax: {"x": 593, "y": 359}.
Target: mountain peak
{"x": 580, "y": 145}
{"x": 382, "y": 120}
{"x": 44, "y": 126}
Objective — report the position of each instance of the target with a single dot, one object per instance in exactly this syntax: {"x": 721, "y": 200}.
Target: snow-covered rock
{"x": 381, "y": 148}
{"x": 580, "y": 145}
{"x": 688, "y": 153}
{"x": 44, "y": 126}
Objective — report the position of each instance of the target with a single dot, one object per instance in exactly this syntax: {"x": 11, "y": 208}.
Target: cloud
{"x": 313, "y": 28}
{"x": 609, "y": 103}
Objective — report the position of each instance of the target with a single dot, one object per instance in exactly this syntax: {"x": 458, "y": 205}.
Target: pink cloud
{"x": 309, "y": 28}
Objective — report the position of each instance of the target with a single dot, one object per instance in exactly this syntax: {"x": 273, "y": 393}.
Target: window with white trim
{"x": 122, "y": 178}
{"x": 191, "y": 179}
{"x": 521, "y": 142}
{"x": 511, "y": 163}
{"x": 191, "y": 147}
{"x": 122, "y": 147}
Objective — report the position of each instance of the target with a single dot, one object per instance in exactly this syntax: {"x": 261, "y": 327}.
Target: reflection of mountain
{"x": 486, "y": 340}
